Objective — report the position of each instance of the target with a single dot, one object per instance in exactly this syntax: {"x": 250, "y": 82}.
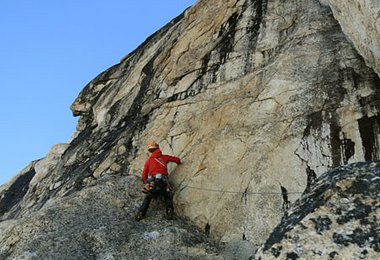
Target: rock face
{"x": 337, "y": 219}
{"x": 360, "y": 21}
{"x": 257, "y": 97}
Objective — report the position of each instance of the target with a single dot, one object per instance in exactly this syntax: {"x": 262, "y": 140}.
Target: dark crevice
{"x": 336, "y": 144}
{"x": 15, "y": 193}
{"x": 311, "y": 177}
{"x": 369, "y": 132}
{"x": 207, "y": 229}
{"x": 285, "y": 200}
{"x": 348, "y": 147}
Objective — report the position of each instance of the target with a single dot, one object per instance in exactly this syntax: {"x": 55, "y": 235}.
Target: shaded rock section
{"x": 12, "y": 194}
{"x": 360, "y": 21}
{"x": 337, "y": 219}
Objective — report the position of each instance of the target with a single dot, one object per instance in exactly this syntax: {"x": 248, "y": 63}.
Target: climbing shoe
{"x": 139, "y": 216}
{"x": 169, "y": 213}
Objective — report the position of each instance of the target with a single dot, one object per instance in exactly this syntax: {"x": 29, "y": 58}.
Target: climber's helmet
{"x": 152, "y": 146}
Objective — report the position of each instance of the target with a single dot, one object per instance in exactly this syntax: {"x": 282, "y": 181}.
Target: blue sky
{"x": 49, "y": 51}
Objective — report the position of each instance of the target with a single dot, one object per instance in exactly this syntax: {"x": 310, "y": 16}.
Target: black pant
{"x": 159, "y": 190}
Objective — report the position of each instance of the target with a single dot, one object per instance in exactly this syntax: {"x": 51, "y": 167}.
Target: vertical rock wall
{"x": 253, "y": 95}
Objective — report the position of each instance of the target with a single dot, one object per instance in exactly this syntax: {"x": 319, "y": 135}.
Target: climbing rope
{"x": 241, "y": 192}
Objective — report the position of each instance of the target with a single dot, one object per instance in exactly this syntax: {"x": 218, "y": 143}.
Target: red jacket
{"x": 157, "y": 163}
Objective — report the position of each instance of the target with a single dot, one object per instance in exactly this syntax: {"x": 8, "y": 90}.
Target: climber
{"x": 155, "y": 178}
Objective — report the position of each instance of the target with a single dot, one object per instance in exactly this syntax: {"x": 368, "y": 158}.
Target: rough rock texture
{"x": 97, "y": 223}
{"x": 257, "y": 97}
{"x": 337, "y": 219}
{"x": 360, "y": 21}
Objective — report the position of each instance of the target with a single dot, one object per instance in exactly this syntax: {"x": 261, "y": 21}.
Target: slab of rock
{"x": 98, "y": 223}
